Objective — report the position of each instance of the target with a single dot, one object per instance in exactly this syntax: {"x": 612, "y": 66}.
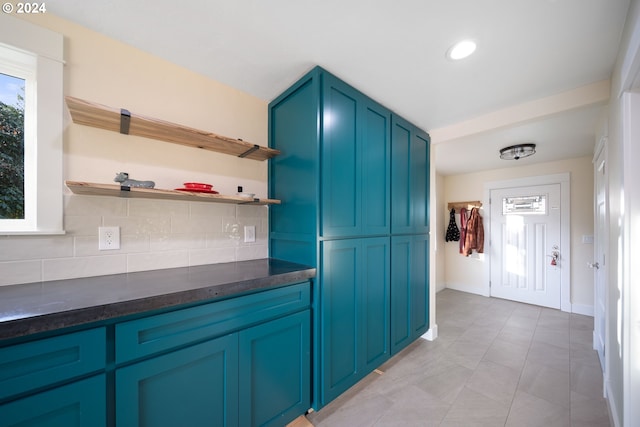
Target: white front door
{"x": 526, "y": 257}
{"x": 600, "y": 245}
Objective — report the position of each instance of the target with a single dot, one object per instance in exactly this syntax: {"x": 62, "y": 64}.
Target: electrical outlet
{"x": 249, "y": 233}
{"x": 108, "y": 238}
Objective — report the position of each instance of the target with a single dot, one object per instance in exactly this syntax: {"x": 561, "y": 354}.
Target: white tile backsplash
{"x": 20, "y": 272}
{"x": 153, "y": 208}
{"x": 155, "y": 260}
{"x": 154, "y": 234}
{"x": 17, "y": 248}
{"x": 71, "y": 268}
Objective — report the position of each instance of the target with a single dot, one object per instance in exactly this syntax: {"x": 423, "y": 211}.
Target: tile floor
{"x": 495, "y": 363}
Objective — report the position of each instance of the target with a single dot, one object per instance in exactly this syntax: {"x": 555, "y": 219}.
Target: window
{"x": 17, "y": 141}
{"x": 525, "y": 205}
{"x": 31, "y": 115}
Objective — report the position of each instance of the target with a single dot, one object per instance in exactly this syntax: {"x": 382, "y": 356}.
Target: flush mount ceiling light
{"x": 515, "y": 152}
{"x": 461, "y": 50}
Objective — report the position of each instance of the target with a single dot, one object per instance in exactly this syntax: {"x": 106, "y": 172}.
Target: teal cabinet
{"x": 253, "y": 368}
{"x": 37, "y": 377}
{"x": 260, "y": 376}
{"x": 195, "y": 386}
{"x": 78, "y": 404}
{"x": 333, "y": 172}
{"x": 351, "y": 174}
{"x": 355, "y": 162}
{"x": 409, "y": 289}
{"x": 410, "y": 178}
{"x": 241, "y": 361}
{"x": 275, "y": 371}
{"x": 354, "y": 311}
{"x": 33, "y": 365}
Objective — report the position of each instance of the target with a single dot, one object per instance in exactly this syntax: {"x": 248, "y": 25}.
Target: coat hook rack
{"x": 467, "y": 205}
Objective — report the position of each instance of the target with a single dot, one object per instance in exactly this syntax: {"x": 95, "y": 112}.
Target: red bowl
{"x": 197, "y": 186}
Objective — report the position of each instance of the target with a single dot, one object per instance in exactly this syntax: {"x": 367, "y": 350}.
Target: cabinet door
{"x": 79, "y": 404}
{"x": 374, "y": 304}
{"x": 355, "y": 163}
{"x": 340, "y": 159}
{"x": 195, "y": 386}
{"x": 400, "y": 292}
{"x": 339, "y": 305}
{"x": 355, "y": 311}
{"x": 376, "y": 169}
{"x": 419, "y": 285}
{"x": 275, "y": 371}
{"x": 409, "y": 289}
{"x": 410, "y": 178}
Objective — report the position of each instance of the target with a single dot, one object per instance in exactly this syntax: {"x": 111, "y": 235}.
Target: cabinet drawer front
{"x": 36, "y": 364}
{"x": 79, "y": 404}
{"x": 143, "y": 337}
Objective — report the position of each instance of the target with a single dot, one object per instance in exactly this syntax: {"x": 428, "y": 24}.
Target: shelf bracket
{"x": 125, "y": 188}
{"x": 125, "y": 121}
{"x": 250, "y": 150}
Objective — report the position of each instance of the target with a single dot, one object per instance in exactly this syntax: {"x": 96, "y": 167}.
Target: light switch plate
{"x": 249, "y": 233}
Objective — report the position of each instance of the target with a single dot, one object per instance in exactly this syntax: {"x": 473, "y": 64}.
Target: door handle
{"x": 594, "y": 265}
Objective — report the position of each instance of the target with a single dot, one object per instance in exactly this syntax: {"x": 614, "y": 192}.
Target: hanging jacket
{"x": 474, "y": 237}
{"x": 463, "y": 228}
{"x": 453, "y": 234}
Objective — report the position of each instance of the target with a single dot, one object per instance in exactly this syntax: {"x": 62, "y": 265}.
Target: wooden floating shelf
{"x": 467, "y": 205}
{"x": 93, "y": 189}
{"x": 122, "y": 121}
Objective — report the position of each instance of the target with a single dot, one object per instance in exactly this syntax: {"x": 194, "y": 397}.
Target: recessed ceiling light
{"x": 461, "y": 50}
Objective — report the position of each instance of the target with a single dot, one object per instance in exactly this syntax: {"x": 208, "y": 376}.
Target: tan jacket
{"x": 474, "y": 238}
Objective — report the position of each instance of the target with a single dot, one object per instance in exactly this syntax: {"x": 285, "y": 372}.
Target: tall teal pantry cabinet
{"x": 354, "y": 180}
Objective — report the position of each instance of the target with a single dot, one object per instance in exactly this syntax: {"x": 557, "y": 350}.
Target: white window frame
{"x": 37, "y": 53}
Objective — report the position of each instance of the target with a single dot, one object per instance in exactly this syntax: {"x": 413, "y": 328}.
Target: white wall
{"x": 154, "y": 234}
{"x": 467, "y": 273}
{"x": 622, "y": 367}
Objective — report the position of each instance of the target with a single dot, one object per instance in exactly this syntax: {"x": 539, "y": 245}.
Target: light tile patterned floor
{"x": 495, "y": 363}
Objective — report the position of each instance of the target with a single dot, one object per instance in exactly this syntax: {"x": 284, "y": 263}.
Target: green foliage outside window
{"x": 12, "y": 160}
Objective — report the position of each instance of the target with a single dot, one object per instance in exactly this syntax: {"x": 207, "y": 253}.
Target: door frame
{"x": 564, "y": 179}
{"x": 630, "y": 296}
{"x": 602, "y": 149}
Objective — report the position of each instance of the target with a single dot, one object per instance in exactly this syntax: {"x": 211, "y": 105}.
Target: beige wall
{"x": 467, "y": 273}
{"x": 106, "y": 71}
{"x": 154, "y": 234}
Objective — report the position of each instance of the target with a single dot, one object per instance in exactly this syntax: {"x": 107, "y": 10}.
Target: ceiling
{"x": 395, "y": 52}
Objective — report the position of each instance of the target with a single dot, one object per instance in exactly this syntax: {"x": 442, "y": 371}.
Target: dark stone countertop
{"x": 46, "y": 306}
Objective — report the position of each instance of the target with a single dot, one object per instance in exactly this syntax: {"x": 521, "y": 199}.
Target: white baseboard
{"x": 431, "y": 334}
{"x": 586, "y": 310}
{"x": 613, "y": 412}
{"x": 471, "y": 290}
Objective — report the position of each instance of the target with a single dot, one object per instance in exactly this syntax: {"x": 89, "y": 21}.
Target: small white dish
{"x": 247, "y": 195}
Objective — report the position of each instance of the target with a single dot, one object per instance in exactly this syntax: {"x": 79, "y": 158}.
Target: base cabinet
{"x": 79, "y": 404}
{"x": 243, "y": 361}
{"x": 259, "y": 376}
